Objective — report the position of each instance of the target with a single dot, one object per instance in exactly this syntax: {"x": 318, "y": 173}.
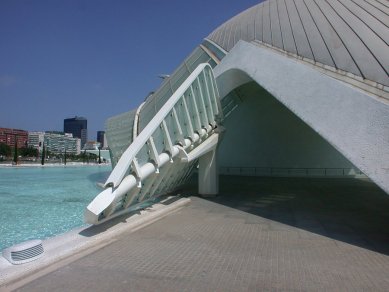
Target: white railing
{"x": 162, "y": 155}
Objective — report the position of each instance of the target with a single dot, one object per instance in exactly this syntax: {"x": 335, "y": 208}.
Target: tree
{"x": 28, "y": 152}
{"x": 5, "y": 150}
{"x": 16, "y": 152}
{"x": 43, "y": 155}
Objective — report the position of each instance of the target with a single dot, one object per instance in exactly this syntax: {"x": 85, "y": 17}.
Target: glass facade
{"x": 215, "y": 49}
{"x": 154, "y": 102}
{"x": 78, "y": 127}
{"x": 119, "y": 134}
{"x": 101, "y": 138}
{"x": 119, "y": 129}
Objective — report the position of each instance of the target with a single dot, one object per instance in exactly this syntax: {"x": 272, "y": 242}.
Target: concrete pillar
{"x": 208, "y": 174}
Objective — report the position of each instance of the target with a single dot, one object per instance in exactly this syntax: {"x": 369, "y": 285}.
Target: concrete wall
{"x": 354, "y": 122}
{"x": 263, "y": 133}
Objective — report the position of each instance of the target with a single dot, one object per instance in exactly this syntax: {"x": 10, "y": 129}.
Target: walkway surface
{"x": 260, "y": 234}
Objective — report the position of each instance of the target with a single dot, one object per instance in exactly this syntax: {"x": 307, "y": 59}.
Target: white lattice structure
{"x": 162, "y": 156}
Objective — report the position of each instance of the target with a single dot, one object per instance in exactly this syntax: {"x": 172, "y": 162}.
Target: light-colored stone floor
{"x": 259, "y": 234}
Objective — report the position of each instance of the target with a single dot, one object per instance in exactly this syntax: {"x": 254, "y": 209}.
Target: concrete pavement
{"x": 259, "y": 234}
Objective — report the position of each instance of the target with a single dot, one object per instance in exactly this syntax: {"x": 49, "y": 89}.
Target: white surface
{"x": 125, "y": 160}
{"x": 208, "y": 174}
{"x": 153, "y": 147}
{"x": 355, "y": 123}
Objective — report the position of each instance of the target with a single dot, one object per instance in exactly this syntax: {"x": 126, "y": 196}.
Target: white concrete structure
{"x": 165, "y": 151}
{"x": 326, "y": 62}
{"x": 311, "y": 96}
{"x": 304, "y": 91}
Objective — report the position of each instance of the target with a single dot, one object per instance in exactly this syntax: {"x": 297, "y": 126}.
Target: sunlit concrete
{"x": 263, "y": 234}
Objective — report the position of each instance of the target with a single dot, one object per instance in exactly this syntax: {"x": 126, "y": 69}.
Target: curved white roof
{"x": 348, "y": 35}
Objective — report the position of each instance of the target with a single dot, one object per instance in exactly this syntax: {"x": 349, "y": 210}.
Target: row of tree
{"x": 7, "y": 152}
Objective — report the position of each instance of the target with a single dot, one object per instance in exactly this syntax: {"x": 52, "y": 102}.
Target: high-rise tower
{"x": 78, "y": 126}
{"x": 101, "y": 138}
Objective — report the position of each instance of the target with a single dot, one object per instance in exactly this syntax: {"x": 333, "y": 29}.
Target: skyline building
{"x": 9, "y": 136}
{"x": 78, "y": 126}
{"x": 102, "y": 139}
{"x": 36, "y": 140}
{"x": 59, "y": 143}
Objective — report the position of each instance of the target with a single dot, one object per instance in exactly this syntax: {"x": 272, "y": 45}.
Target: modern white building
{"x": 59, "y": 143}
{"x": 285, "y": 88}
{"x": 36, "y": 139}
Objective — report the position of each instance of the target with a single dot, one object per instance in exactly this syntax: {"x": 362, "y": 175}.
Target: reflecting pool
{"x": 40, "y": 202}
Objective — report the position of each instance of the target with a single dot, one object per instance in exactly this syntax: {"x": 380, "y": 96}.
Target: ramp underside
{"x": 355, "y": 123}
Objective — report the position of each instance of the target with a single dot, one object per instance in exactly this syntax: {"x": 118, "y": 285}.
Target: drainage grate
{"x": 24, "y": 252}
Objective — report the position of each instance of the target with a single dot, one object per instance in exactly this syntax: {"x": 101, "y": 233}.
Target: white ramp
{"x": 163, "y": 155}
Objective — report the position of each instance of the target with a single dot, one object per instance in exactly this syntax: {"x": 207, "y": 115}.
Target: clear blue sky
{"x": 93, "y": 58}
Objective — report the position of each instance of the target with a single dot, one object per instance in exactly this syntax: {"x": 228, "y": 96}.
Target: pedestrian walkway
{"x": 278, "y": 234}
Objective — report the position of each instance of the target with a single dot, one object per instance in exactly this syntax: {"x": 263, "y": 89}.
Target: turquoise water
{"x": 37, "y": 203}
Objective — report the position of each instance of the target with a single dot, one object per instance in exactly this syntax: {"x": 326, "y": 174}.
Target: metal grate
{"x": 25, "y": 252}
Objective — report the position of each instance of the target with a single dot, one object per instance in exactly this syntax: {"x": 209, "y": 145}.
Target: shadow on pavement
{"x": 353, "y": 211}
{"x": 96, "y": 229}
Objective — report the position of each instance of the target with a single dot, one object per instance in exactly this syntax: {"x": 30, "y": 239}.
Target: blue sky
{"x": 62, "y": 58}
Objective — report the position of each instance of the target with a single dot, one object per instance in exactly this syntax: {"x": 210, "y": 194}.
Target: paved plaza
{"x": 259, "y": 234}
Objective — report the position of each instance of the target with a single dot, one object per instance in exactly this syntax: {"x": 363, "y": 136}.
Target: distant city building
{"x": 84, "y": 136}
{"x": 78, "y": 126}
{"x": 56, "y": 132}
{"x": 36, "y": 139}
{"x": 10, "y": 136}
{"x": 58, "y": 143}
{"x": 91, "y": 145}
{"x": 102, "y": 139}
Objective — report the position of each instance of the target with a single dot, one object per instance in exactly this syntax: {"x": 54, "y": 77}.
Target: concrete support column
{"x": 208, "y": 174}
